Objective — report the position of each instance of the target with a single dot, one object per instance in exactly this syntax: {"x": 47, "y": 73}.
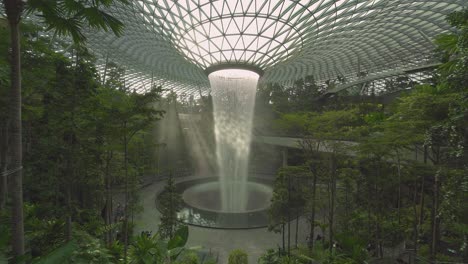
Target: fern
{"x": 59, "y": 255}
{"x": 108, "y": 228}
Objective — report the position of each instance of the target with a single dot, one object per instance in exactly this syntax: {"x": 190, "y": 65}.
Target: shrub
{"x": 238, "y": 257}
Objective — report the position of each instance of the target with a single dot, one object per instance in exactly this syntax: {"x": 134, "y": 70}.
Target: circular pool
{"x": 207, "y": 196}
{"x": 202, "y": 204}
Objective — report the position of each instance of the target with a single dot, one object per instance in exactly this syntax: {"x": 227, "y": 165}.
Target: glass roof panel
{"x": 288, "y": 39}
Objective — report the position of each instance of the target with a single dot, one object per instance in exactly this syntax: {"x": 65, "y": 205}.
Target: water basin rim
{"x": 257, "y": 187}
{"x": 217, "y": 220}
{"x": 184, "y": 184}
{"x": 234, "y": 66}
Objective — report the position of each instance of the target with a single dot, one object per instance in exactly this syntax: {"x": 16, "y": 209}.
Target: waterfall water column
{"x": 233, "y": 93}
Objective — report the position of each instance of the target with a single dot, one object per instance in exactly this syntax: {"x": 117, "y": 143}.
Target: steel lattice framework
{"x": 172, "y": 42}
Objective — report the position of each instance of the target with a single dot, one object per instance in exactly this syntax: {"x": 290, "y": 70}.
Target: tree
{"x": 278, "y": 209}
{"x": 427, "y": 122}
{"x": 170, "y": 202}
{"x": 53, "y": 13}
{"x": 4, "y": 121}
{"x": 13, "y": 9}
{"x": 288, "y": 202}
{"x": 131, "y": 113}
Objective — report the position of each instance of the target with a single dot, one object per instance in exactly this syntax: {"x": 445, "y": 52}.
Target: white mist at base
{"x": 233, "y": 93}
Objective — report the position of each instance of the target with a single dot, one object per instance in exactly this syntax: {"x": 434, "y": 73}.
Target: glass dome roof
{"x": 260, "y": 33}
{"x": 175, "y": 41}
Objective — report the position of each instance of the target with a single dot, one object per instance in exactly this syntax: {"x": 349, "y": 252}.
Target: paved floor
{"x": 218, "y": 241}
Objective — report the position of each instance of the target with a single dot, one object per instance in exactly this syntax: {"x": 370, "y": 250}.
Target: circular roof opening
{"x": 210, "y": 32}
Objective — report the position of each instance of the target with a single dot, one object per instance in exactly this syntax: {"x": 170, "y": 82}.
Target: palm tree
{"x": 65, "y": 17}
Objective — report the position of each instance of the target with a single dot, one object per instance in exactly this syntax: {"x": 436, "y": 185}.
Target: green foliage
{"x": 75, "y": 124}
{"x": 153, "y": 249}
{"x": 170, "y": 202}
{"x": 353, "y": 246}
{"x": 179, "y": 239}
{"x": 188, "y": 258}
{"x": 269, "y": 257}
{"x": 70, "y": 17}
{"x": 72, "y": 124}
{"x": 108, "y": 228}
{"x": 294, "y": 123}
{"x": 289, "y": 194}
{"x": 90, "y": 250}
{"x": 238, "y": 257}
{"x": 147, "y": 249}
{"x": 335, "y": 124}
{"x": 301, "y": 96}
{"x": 454, "y": 50}
{"x": 46, "y": 235}
{"x": 383, "y": 196}
{"x": 59, "y": 255}
{"x": 273, "y": 257}
{"x": 4, "y": 238}
{"x": 210, "y": 261}
{"x": 116, "y": 250}
{"x": 338, "y": 124}
{"x": 82, "y": 249}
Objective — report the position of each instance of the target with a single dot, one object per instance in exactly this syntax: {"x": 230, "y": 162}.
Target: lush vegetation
{"x": 170, "y": 204}
{"x": 238, "y": 257}
{"x": 389, "y": 175}
{"x": 84, "y": 142}
{"x": 88, "y": 143}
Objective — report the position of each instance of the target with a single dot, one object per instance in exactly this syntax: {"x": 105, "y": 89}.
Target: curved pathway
{"x": 217, "y": 241}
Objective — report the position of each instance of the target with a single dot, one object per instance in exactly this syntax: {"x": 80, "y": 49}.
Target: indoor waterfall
{"x": 233, "y": 93}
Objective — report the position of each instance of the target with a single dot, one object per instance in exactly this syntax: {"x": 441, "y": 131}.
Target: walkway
{"x": 219, "y": 241}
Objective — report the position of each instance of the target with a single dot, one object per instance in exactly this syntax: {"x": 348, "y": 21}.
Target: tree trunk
{"x": 347, "y": 205}
{"x": 171, "y": 210}
{"x": 126, "y": 193}
{"x": 435, "y": 218}
{"x": 70, "y": 170}
{"x": 465, "y": 251}
{"x": 108, "y": 211}
{"x": 415, "y": 220}
{"x": 399, "y": 187}
{"x": 379, "y": 213}
{"x": 3, "y": 165}
{"x": 312, "y": 214}
{"x": 13, "y": 9}
{"x": 369, "y": 209}
{"x": 3, "y": 188}
{"x": 297, "y": 227}
{"x": 68, "y": 220}
{"x": 332, "y": 190}
{"x": 282, "y": 232}
{"x": 289, "y": 216}
{"x": 378, "y": 228}
{"x": 423, "y": 181}
{"x": 421, "y": 202}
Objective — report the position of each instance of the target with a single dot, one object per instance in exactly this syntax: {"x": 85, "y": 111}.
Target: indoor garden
{"x": 232, "y": 131}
